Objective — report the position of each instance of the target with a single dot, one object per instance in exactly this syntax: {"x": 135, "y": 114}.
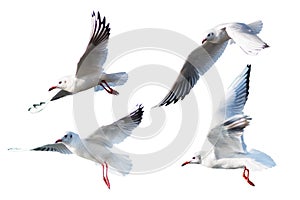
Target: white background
{"x": 43, "y": 40}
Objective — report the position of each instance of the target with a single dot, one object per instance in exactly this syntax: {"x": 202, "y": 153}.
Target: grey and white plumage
{"x": 202, "y": 58}
{"x": 97, "y": 147}
{"x": 224, "y": 146}
{"x": 89, "y": 72}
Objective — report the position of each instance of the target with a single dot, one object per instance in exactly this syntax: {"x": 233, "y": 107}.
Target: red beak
{"x": 52, "y": 88}
{"x": 59, "y": 140}
{"x": 185, "y": 163}
{"x": 204, "y": 40}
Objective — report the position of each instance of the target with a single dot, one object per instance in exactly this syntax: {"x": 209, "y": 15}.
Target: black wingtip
{"x": 266, "y": 46}
{"x": 140, "y": 108}
{"x": 137, "y": 115}
{"x": 249, "y": 70}
{"x": 98, "y": 16}
{"x": 248, "y": 78}
{"x": 101, "y": 30}
{"x": 249, "y": 66}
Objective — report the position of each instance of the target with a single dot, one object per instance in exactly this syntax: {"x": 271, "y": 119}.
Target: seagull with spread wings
{"x": 225, "y": 146}
{"x": 90, "y": 72}
{"x": 203, "y": 58}
{"x": 97, "y": 147}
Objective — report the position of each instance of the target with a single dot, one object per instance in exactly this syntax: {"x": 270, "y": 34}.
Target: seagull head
{"x": 210, "y": 37}
{"x": 216, "y": 36}
{"x": 69, "y": 139}
{"x": 64, "y": 83}
{"x": 195, "y": 160}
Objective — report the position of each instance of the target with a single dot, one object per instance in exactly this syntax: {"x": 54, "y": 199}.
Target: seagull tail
{"x": 120, "y": 163}
{"x": 114, "y": 79}
{"x": 261, "y": 160}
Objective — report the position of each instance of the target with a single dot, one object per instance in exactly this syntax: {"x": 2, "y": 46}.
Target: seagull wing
{"x": 117, "y": 131}
{"x": 237, "y": 95}
{"x": 256, "y": 26}
{"x": 227, "y": 138}
{"x": 198, "y": 62}
{"x": 245, "y": 36}
{"x": 60, "y": 94}
{"x": 57, "y": 147}
{"x": 96, "y": 52}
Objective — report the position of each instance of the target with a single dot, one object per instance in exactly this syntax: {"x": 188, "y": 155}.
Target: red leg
{"x": 246, "y": 176}
{"x": 109, "y": 90}
{"x": 105, "y": 178}
{"x": 105, "y": 88}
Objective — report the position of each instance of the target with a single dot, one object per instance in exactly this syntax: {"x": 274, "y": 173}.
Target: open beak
{"x": 204, "y": 40}
{"x": 52, "y": 88}
{"x": 185, "y": 163}
{"x": 59, "y": 140}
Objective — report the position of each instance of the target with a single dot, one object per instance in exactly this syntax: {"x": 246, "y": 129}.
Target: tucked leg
{"x": 104, "y": 173}
{"x": 107, "y": 88}
{"x": 246, "y": 176}
{"x": 105, "y": 176}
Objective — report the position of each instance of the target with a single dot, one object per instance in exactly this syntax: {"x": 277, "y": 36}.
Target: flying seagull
{"x": 202, "y": 58}
{"x": 97, "y": 146}
{"x": 224, "y": 146}
{"x": 90, "y": 72}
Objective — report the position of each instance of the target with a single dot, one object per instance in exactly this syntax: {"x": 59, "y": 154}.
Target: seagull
{"x": 202, "y": 58}
{"x": 224, "y": 146}
{"x": 97, "y": 146}
{"x": 90, "y": 72}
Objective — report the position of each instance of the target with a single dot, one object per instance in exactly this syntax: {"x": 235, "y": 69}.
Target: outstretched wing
{"x": 237, "y": 94}
{"x": 60, "y": 94}
{"x": 117, "y": 131}
{"x": 57, "y": 147}
{"x": 96, "y": 52}
{"x": 198, "y": 62}
{"x": 227, "y": 137}
{"x": 245, "y": 36}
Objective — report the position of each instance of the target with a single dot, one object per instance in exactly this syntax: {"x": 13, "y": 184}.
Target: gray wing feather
{"x": 117, "y": 131}
{"x": 227, "y": 139}
{"x": 60, "y": 94}
{"x": 237, "y": 94}
{"x": 96, "y": 52}
{"x": 198, "y": 62}
{"x": 57, "y": 147}
{"x": 256, "y": 26}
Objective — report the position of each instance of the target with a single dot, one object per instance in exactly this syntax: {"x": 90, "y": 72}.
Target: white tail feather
{"x": 261, "y": 160}
{"x": 256, "y": 26}
{"x": 120, "y": 163}
{"x": 115, "y": 79}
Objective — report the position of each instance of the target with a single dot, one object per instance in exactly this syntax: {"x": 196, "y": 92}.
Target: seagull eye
{"x": 71, "y": 136}
{"x": 65, "y": 136}
{"x": 59, "y": 82}
{"x": 194, "y": 157}
{"x": 65, "y": 81}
